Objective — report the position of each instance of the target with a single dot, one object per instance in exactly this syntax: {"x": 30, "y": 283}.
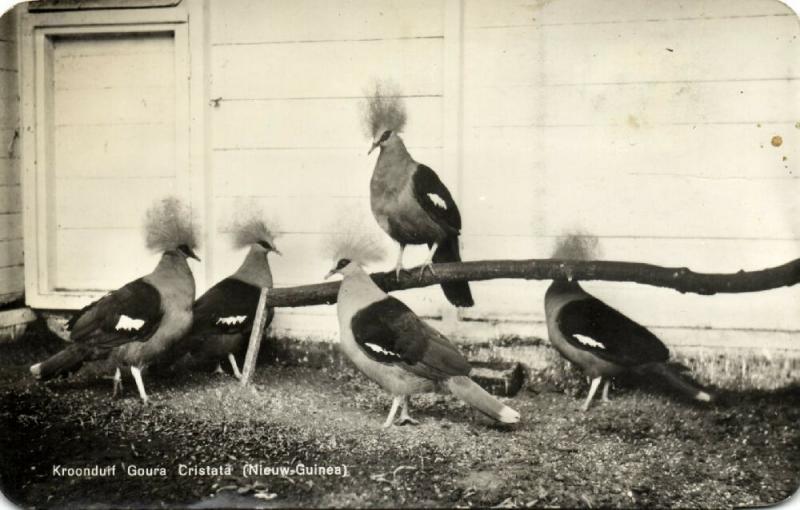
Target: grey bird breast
{"x": 396, "y": 209}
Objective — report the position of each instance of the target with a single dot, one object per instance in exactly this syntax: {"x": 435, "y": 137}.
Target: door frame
{"x": 36, "y": 31}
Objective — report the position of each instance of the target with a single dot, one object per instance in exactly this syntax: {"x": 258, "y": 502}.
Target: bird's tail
{"x": 467, "y": 390}
{"x": 457, "y": 293}
{"x": 676, "y": 381}
{"x": 66, "y": 360}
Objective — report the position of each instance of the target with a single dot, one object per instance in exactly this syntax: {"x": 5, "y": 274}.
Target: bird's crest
{"x": 576, "y": 246}
{"x": 383, "y": 109}
{"x": 251, "y": 227}
{"x": 355, "y": 242}
{"x": 168, "y": 224}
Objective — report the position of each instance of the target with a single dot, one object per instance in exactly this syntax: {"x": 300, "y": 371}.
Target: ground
{"x": 644, "y": 449}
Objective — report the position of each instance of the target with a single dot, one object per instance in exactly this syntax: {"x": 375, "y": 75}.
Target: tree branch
{"x": 679, "y": 278}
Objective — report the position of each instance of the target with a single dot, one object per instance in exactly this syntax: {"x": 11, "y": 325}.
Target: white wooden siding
{"x": 11, "y": 255}
{"x": 100, "y": 180}
{"x": 648, "y": 124}
{"x": 287, "y": 134}
{"x": 106, "y": 98}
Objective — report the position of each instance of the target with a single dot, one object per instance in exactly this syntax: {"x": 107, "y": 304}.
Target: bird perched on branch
{"x": 408, "y": 199}
{"x": 138, "y": 323}
{"x": 600, "y": 340}
{"x": 223, "y": 316}
{"x": 392, "y": 346}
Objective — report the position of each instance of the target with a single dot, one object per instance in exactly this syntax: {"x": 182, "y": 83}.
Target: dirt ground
{"x": 644, "y": 449}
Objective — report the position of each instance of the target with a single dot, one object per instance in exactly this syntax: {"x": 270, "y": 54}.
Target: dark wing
{"x": 591, "y": 325}
{"x": 389, "y": 332}
{"x": 227, "y": 307}
{"x": 436, "y": 200}
{"x": 130, "y": 313}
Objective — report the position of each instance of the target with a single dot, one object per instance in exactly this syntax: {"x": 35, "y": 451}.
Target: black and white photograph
{"x": 399, "y": 254}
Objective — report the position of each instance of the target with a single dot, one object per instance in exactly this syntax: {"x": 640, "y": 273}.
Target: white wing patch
{"x": 128, "y": 324}
{"x": 233, "y": 320}
{"x": 585, "y": 340}
{"x": 380, "y": 350}
{"x": 437, "y": 200}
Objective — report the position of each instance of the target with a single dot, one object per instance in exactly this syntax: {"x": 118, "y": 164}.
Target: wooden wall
{"x": 11, "y": 270}
{"x": 287, "y": 135}
{"x": 646, "y": 123}
{"x": 668, "y": 129}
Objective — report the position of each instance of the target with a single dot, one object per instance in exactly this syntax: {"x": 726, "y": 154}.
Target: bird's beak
{"x": 374, "y": 144}
{"x": 277, "y": 252}
{"x": 193, "y": 255}
{"x": 330, "y": 273}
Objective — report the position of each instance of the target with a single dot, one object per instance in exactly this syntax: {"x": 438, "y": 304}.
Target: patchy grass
{"x": 644, "y": 449}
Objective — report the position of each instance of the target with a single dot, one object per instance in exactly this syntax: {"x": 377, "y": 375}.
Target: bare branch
{"x": 679, "y": 278}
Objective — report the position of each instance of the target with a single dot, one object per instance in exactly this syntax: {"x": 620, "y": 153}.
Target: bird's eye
{"x": 266, "y": 245}
{"x": 184, "y": 248}
{"x": 342, "y": 263}
{"x": 385, "y": 136}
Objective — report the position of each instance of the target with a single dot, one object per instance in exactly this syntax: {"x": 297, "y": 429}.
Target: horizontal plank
{"x": 10, "y": 199}
{"x": 83, "y": 203}
{"x": 9, "y": 110}
{"x": 634, "y": 205}
{"x": 11, "y": 253}
{"x": 315, "y": 123}
{"x": 701, "y": 50}
{"x": 701, "y": 255}
{"x": 115, "y": 151}
{"x": 10, "y": 226}
{"x": 306, "y": 214}
{"x": 415, "y": 65}
{"x": 639, "y": 104}
{"x": 503, "y": 13}
{"x": 320, "y": 173}
{"x": 108, "y": 106}
{"x": 703, "y": 152}
{"x": 247, "y": 21}
{"x": 98, "y": 259}
{"x": 12, "y": 280}
{"x": 8, "y": 55}
{"x": 96, "y": 70}
{"x": 9, "y": 171}
{"x": 8, "y": 25}
{"x": 79, "y": 46}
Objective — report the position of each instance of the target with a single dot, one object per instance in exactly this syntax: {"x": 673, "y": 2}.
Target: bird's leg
{"x": 219, "y": 370}
{"x": 236, "y": 373}
{"x": 399, "y": 266}
{"x": 592, "y": 391}
{"x": 428, "y": 264}
{"x": 137, "y": 376}
{"x": 390, "y": 419}
{"x": 404, "y": 416}
{"x": 606, "y": 385}
{"x": 117, "y": 383}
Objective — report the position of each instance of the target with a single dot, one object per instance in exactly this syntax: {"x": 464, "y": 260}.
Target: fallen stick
{"x": 681, "y": 279}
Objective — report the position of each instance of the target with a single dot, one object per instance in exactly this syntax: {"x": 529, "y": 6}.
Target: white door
{"x": 111, "y": 130}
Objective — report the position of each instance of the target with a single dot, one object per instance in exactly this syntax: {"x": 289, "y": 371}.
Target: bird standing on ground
{"x": 135, "y": 325}
{"x": 223, "y": 316}
{"x": 602, "y": 341}
{"x": 395, "y": 348}
{"x": 408, "y": 199}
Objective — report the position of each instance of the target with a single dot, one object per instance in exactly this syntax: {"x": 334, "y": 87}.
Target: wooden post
{"x": 256, "y": 334}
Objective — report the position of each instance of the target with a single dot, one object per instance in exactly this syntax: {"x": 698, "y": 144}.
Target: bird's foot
{"x": 428, "y": 265}
{"x": 406, "y": 420}
{"x": 117, "y": 391}
{"x": 219, "y": 370}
